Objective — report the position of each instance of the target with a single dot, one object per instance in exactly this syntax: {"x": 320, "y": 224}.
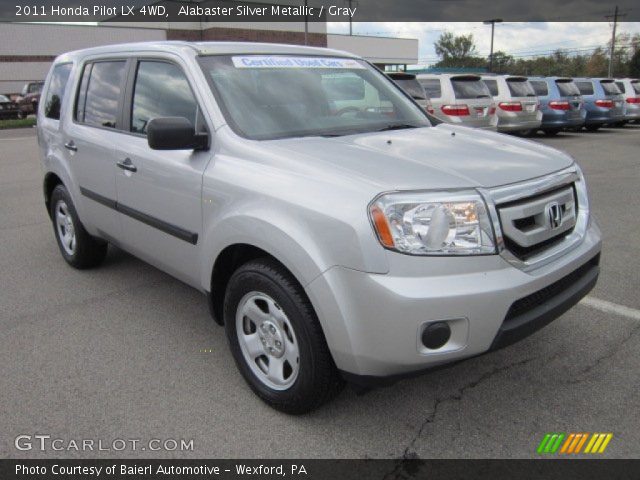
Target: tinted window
{"x": 58, "y": 84}
{"x": 610, "y": 88}
{"x": 621, "y": 87}
{"x": 412, "y": 87}
{"x": 103, "y": 93}
{"x": 567, "y": 88}
{"x": 585, "y": 88}
{"x": 540, "y": 87}
{"x": 432, "y": 86}
{"x": 520, "y": 88}
{"x": 161, "y": 90}
{"x": 465, "y": 88}
{"x": 492, "y": 85}
{"x": 636, "y": 86}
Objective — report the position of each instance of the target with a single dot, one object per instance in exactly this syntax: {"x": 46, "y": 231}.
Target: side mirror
{"x": 174, "y": 133}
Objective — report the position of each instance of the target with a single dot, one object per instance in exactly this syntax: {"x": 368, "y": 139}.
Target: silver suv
{"x": 336, "y": 232}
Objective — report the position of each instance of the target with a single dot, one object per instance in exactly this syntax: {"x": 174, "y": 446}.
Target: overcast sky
{"x": 518, "y": 39}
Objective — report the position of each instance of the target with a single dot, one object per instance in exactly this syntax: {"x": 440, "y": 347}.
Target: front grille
{"x": 534, "y": 224}
{"x": 528, "y": 303}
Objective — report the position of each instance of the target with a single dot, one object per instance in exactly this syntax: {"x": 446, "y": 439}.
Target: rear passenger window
{"x": 586, "y": 88}
{"x": 100, "y": 93}
{"x": 55, "y": 93}
{"x": 161, "y": 90}
{"x": 492, "y": 85}
{"x": 432, "y": 86}
{"x": 540, "y": 88}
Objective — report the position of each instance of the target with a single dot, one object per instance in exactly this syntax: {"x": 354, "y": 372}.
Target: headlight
{"x": 433, "y": 223}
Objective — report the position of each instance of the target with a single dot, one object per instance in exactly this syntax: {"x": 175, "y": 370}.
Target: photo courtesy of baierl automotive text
{"x": 310, "y": 231}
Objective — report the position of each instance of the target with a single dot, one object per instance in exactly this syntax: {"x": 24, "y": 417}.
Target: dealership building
{"x": 27, "y": 50}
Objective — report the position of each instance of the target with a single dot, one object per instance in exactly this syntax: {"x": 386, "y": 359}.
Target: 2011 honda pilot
{"x": 335, "y": 239}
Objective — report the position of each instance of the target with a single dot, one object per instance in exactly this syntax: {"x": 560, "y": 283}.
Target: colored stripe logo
{"x": 573, "y": 443}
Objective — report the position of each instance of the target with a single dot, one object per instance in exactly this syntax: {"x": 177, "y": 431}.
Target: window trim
{"x": 90, "y": 63}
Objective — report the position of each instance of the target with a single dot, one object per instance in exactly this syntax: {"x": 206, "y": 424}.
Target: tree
{"x": 597, "y": 64}
{"x": 634, "y": 65}
{"x": 502, "y": 63}
{"x": 457, "y": 51}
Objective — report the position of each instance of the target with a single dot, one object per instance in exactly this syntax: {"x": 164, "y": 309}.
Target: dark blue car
{"x": 561, "y": 104}
{"x": 603, "y": 101}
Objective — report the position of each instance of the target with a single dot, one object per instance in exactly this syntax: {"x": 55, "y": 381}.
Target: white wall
{"x": 377, "y": 49}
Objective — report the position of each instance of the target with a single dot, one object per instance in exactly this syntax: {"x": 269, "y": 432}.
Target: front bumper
{"x": 373, "y": 322}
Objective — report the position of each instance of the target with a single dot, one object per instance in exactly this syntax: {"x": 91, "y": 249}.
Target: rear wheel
{"x": 276, "y": 339}
{"x": 78, "y": 248}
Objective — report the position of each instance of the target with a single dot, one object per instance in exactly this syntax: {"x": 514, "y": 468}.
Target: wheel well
{"x": 228, "y": 262}
{"x": 51, "y": 180}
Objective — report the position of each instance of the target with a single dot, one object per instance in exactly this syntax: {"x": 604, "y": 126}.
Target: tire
{"x": 551, "y": 132}
{"x": 592, "y": 128}
{"x": 78, "y": 248}
{"x": 266, "y": 309}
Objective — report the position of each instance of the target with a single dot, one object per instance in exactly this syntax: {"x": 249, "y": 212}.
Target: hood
{"x": 444, "y": 156}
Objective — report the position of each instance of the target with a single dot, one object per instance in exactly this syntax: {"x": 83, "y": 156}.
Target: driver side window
{"x": 162, "y": 90}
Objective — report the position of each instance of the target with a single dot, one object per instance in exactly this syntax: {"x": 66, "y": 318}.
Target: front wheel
{"x": 276, "y": 339}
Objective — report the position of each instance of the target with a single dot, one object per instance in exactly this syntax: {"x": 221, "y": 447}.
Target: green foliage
{"x": 17, "y": 123}
{"x": 457, "y": 51}
{"x": 634, "y": 65}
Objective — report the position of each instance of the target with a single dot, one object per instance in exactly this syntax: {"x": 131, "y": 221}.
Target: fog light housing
{"x": 435, "y": 335}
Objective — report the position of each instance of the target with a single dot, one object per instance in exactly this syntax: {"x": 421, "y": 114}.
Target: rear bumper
{"x": 373, "y": 323}
{"x": 517, "y": 123}
{"x": 561, "y": 121}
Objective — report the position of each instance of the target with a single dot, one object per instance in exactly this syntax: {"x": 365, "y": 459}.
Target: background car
{"x": 630, "y": 88}
{"x": 603, "y": 102}
{"x": 409, "y": 83}
{"x": 8, "y": 109}
{"x": 560, "y": 103}
{"x": 517, "y": 105}
{"x": 461, "y": 99}
{"x": 29, "y": 98}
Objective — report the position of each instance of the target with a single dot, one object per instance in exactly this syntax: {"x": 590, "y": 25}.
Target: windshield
{"x": 266, "y": 97}
{"x": 567, "y": 88}
{"x": 610, "y": 88}
{"x": 471, "y": 87}
{"x": 412, "y": 87}
{"x": 520, "y": 88}
{"x": 540, "y": 87}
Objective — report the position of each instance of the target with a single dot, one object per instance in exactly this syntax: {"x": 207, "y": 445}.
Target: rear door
{"x": 90, "y": 139}
{"x": 612, "y": 92}
{"x": 569, "y": 93}
{"x": 521, "y": 91}
{"x": 160, "y": 191}
{"x": 470, "y": 90}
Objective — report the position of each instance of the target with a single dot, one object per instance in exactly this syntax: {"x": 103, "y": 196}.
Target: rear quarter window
{"x": 636, "y": 87}
{"x": 585, "y": 88}
{"x": 492, "y": 85}
{"x": 432, "y": 86}
{"x": 55, "y": 92}
{"x": 621, "y": 87}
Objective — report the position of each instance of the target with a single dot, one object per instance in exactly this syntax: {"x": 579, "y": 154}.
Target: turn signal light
{"x": 382, "y": 227}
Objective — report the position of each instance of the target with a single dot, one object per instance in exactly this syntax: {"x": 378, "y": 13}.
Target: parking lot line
{"x": 610, "y": 307}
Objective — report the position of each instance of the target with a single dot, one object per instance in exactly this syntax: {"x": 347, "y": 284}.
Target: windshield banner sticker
{"x": 277, "y": 61}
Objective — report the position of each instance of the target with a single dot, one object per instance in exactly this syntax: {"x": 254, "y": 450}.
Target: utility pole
{"x": 612, "y": 52}
{"x": 492, "y": 22}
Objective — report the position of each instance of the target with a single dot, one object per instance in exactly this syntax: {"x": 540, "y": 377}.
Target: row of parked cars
{"x": 524, "y": 105}
{"x": 24, "y": 104}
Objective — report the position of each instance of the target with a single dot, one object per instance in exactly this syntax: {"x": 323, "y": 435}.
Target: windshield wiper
{"x": 397, "y": 126}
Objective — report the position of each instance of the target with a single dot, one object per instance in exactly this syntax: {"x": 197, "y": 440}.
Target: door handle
{"x": 70, "y": 145}
{"x": 126, "y": 164}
